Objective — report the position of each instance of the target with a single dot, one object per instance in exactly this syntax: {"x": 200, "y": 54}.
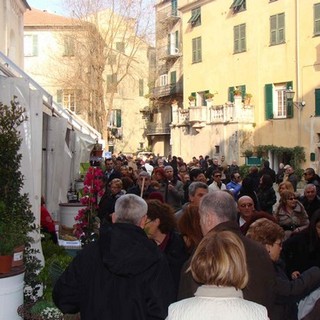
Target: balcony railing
{"x": 215, "y": 114}
{"x": 158, "y": 129}
{"x": 167, "y": 90}
{"x": 168, "y": 14}
{"x": 169, "y": 52}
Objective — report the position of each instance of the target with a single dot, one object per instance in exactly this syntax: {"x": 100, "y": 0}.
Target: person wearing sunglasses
{"x": 217, "y": 184}
{"x": 290, "y": 214}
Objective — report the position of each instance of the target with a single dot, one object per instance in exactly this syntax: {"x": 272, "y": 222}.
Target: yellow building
{"x": 262, "y": 48}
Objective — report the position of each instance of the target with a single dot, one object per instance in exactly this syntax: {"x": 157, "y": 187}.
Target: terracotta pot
{"x": 5, "y": 264}
{"x": 17, "y": 260}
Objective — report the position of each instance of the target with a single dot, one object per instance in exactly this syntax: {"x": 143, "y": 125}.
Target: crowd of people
{"x": 199, "y": 241}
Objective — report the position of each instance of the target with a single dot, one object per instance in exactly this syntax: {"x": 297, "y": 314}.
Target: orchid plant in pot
{"x": 87, "y": 221}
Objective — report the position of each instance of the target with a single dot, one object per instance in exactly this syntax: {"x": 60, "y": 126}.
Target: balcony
{"x": 168, "y": 15}
{"x": 168, "y": 90}
{"x": 202, "y": 115}
{"x": 154, "y": 129}
{"x": 169, "y": 52}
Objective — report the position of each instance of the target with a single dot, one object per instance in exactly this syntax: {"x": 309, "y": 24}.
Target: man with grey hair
{"x": 173, "y": 192}
{"x": 218, "y": 211}
{"x": 122, "y": 275}
{"x": 143, "y": 187}
{"x": 310, "y": 200}
{"x": 196, "y": 191}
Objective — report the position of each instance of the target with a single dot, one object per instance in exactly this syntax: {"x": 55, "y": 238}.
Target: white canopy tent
{"x": 55, "y": 141}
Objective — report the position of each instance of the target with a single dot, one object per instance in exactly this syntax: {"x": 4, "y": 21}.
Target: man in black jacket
{"x": 218, "y": 211}
{"x": 122, "y": 276}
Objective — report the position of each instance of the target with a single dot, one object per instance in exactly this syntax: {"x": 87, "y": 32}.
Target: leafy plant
{"x": 237, "y": 92}
{"x": 191, "y": 98}
{"x": 248, "y": 153}
{"x": 208, "y": 95}
{"x": 15, "y": 208}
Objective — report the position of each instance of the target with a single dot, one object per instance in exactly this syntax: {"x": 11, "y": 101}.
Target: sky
{"x": 52, "y": 6}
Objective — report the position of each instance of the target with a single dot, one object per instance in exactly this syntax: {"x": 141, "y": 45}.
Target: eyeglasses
{"x": 217, "y": 175}
{"x": 148, "y": 222}
{"x": 248, "y": 205}
{"x": 292, "y": 199}
{"x": 306, "y": 173}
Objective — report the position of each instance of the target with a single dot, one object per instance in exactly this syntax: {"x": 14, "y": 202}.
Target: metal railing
{"x": 158, "y": 128}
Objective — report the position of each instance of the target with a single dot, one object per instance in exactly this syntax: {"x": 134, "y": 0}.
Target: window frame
{"x": 31, "y": 48}
{"x": 112, "y": 80}
{"x": 238, "y": 6}
{"x": 316, "y": 19}
{"x": 272, "y": 101}
{"x": 239, "y": 41}
{"x": 195, "y": 19}
{"x": 120, "y": 46}
{"x": 276, "y": 28}
{"x": 197, "y": 50}
{"x": 69, "y": 47}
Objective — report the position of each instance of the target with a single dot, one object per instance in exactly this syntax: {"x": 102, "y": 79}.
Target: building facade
{"x": 86, "y": 73}
{"x": 11, "y": 27}
{"x": 258, "y": 51}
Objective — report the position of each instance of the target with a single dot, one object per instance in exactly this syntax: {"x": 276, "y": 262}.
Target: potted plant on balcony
{"x": 247, "y": 99}
{"x": 248, "y": 153}
{"x": 237, "y": 92}
{"x": 192, "y": 100}
{"x": 208, "y": 95}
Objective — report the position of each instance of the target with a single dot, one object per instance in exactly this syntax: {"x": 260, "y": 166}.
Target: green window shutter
{"x": 269, "y": 101}
{"x": 199, "y": 50}
{"x": 194, "y": 50}
{"x": 316, "y": 14}
{"x": 289, "y": 102}
{"x": 317, "y": 100}
{"x": 194, "y": 94}
{"x": 169, "y": 44}
{"x": 273, "y": 29}
{"x": 242, "y": 33}
{"x": 205, "y": 101}
{"x": 230, "y": 94}
{"x": 177, "y": 40}
{"x": 118, "y": 118}
{"x": 236, "y": 40}
{"x": 59, "y": 96}
{"x": 243, "y": 90}
{"x": 281, "y": 28}
{"x": 174, "y": 8}
{"x": 35, "y": 45}
{"x": 173, "y": 80}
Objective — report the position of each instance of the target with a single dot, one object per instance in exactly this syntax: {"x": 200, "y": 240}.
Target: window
{"x": 174, "y": 8}
{"x": 277, "y": 105}
{"x": 173, "y": 81}
{"x": 69, "y": 47}
{"x": 112, "y": 59}
{"x": 115, "y": 118}
{"x": 141, "y": 91}
{"x": 239, "y": 34}
{"x": 277, "y": 34}
{"x": 195, "y": 19}
{"x": 120, "y": 46}
{"x": 70, "y": 99}
{"x": 317, "y": 100}
{"x": 238, "y": 5}
{"x": 241, "y": 88}
{"x": 173, "y": 43}
{"x": 163, "y": 80}
{"x": 316, "y": 14}
{"x": 196, "y": 50}
{"x": 31, "y": 45}
{"x": 112, "y": 83}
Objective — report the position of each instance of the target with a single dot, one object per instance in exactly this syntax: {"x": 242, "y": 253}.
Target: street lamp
{"x": 290, "y": 95}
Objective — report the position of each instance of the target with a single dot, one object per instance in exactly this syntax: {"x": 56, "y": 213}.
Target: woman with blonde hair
{"x": 220, "y": 265}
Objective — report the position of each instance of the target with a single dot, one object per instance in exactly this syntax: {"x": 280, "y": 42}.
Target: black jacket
{"x": 289, "y": 292}
{"x": 122, "y": 276}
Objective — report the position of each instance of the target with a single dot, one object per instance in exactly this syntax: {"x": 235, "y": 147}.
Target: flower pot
{"x": 18, "y": 253}
{"x": 5, "y": 264}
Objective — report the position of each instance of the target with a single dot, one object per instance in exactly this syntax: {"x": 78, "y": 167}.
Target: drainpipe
{"x": 298, "y": 86}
